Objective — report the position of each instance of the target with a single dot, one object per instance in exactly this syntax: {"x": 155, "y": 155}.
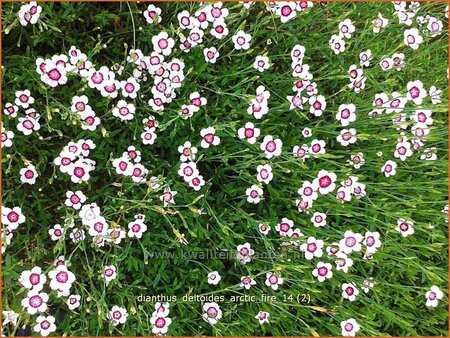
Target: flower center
{"x": 249, "y": 132}
{"x": 311, "y": 247}
{"x": 129, "y": 87}
{"x": 13, "y": 216}
{"x": 286, "y": 10}
{"x": 35, "y": 301}
{"x": 414, "y": 92}
{"x": 45, "y": 324}
{"x": 163, "y": 43}
{"x": 35, "y": 278}
{"x": 62, "y": 277}
{"x": 29, "y": 174}
{"x": 350, "y": 241}
{"x": 273, "y": 279}
{"x": 54, "y": 74}
{"x": 78, "y": 172}
{"x": 209, "y": 138}
{"x": 97, "y": 78}
{"x": 322, "y": 271}
{"x": 212, "y": 312}
{"x": 271, "y": 146}
{"x": 188, "y": 171}
{"x": 325, "y": 181}
{"x": 160, "y": 323}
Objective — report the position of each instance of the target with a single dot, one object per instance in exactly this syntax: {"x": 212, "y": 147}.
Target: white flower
{"x": 386, "y": 63}
{"x": 306, "y": 132}
{"x": 263, "y": 317}
{"x": 124, "y": 110}
{"x": 367, "y": 285}
{"x": 44, "y": 325}
{"x": 73, "y": 301}
{"x": 211, "y": 313}
{"x": 161, "y": 310}
{"x": 152, "y": 13}
{"x": 186, "y": 21}
{"x": 117, "y": 315}
{"x": 110, "y": 272}
{"x": 346, "y": 29}
{"x": 317, "y": 105}
{"x": 77, "y": 235}
{"x": 312, "y": 248}
{"x": 372, "y": 241}
{"x": 148, "y": 136}
{"x": 249, "y": 133}
{"x": 214, "y": 278}
{"x": 435, "y": 26}
{"x": 403, "y": 150}
{"x": 346, "y": 114}
{"x": 365, "y": 58}
{"x": 245, "y": 253}
{"x": 322, "y": 271}
{"x": 337, "y": 44}
{"x": 319, "y": 219}
{"x": 286, "y": 10}
{"x": 28, "y": 174}
{"x": 188, "y": 170}
{"x": 347, "y": 137}
{"x": 160, "y": 324}
{"x": 389, "y": 168}
{"x": 29, "y": 13}
{"x": 261, "y": 63}
{"x": 412, "y": 38}
{"x": 209, "y": 137}
{"x": 33, "y": 279}
{"x": 379, "y": 23}
{"x": 254, "y": 194}
{"x": 61, "y": 278}
{"x": 405, "y": 227}
{"x": 168, "y": 197}
{"x": 273, "y": 280}
{"x": 10, "y": 317}
{"x": 241, "y": 40}
{"x": 187, "y": 152}
{"x": 264, "y": 173}
{"x": 35, "y": 302}
{"x": 433, "y": 296}
{"x": 435, "y": 95}
{"x": 219, "y": 29}
{"x": 136, "y": 228}
{"x": 351, "y": 242}
{"x": 162, "y": 43}
{"x": 349, "y": 291}
{"x": 429, "y": 154}
{"x": 27, "y": 125}
{"x": 325, "y": 182}
{"x": 416, "y": 92}
{"x": 130, "y": 87}
{"x": 12, "y": 218}
{"x": 343, "y": 262}
{"x": 263, "y": 228}
{"x": 211, "y": 54}
{"x": 247, "y": 282}
{"x": 271, "y": 147}
{"x": 349, "y": 327}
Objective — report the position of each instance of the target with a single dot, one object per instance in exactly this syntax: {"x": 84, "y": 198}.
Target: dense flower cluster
{"x": 156, "y": 89}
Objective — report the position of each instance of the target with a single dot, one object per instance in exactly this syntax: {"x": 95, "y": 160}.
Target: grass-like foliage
{"x": 225, "y": 169}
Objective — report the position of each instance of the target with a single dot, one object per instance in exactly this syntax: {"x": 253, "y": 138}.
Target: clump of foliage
{"x": 272, "y": 168}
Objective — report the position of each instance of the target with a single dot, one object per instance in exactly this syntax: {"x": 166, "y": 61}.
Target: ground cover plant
{"x": 274, "y": 168}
